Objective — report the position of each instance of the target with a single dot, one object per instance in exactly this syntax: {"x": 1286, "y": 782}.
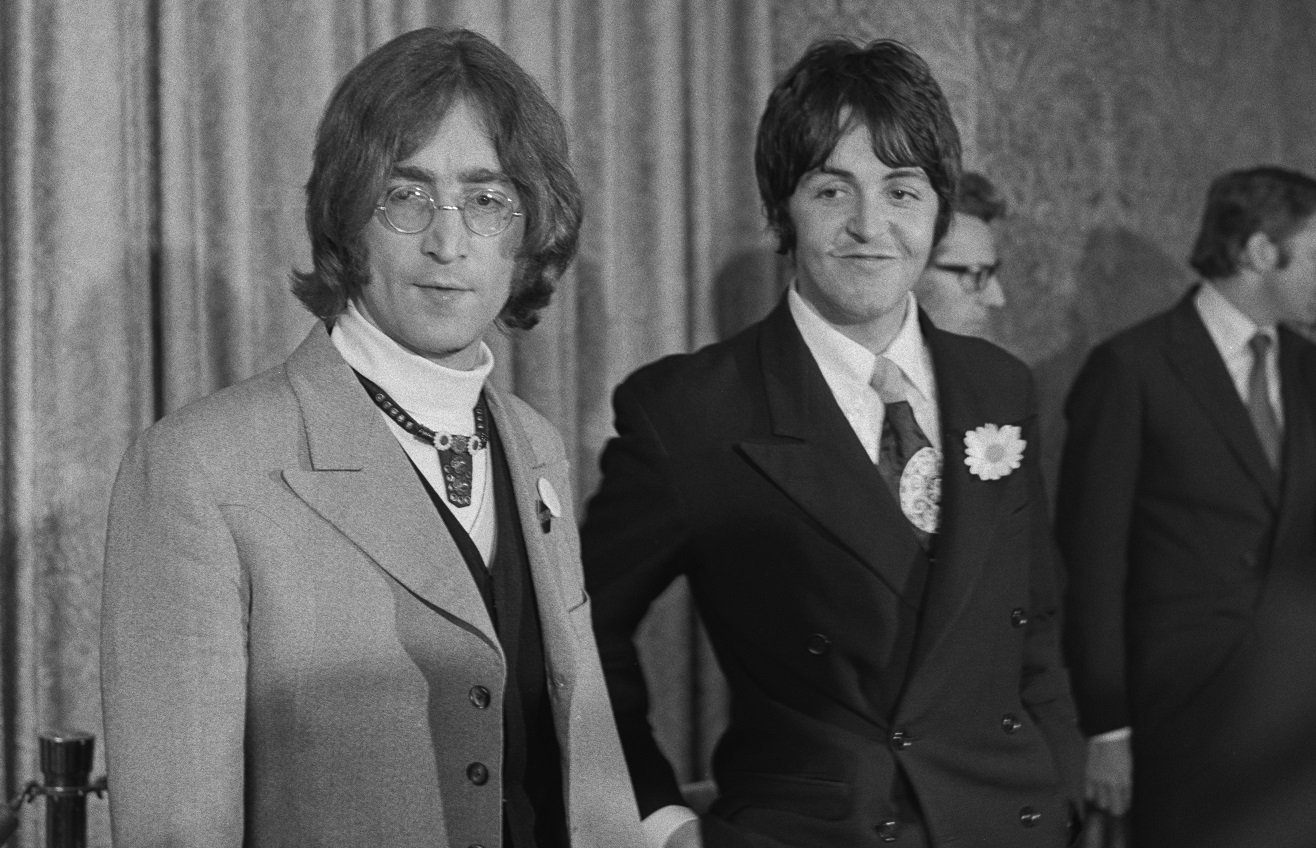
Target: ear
{"x": 1259, "y": 253}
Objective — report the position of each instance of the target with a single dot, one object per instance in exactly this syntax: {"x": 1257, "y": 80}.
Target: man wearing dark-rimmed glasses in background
{"x": 343, "y": 601}
{"x": 960, "y": 289}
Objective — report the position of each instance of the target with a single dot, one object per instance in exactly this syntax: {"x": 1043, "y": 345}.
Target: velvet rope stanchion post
{"x": 66, "y": 760}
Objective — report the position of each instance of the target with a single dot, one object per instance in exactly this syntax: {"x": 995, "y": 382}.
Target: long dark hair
{"x": 835, "y": 85}
{"x": 386, "y": 109}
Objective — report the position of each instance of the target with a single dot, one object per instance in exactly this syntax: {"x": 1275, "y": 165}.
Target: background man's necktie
{"x": 901, "y": 436}
{"x": 1258, "y": 400}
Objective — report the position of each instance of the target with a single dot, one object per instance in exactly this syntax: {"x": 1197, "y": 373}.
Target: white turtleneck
{"x": 443, "y": 399}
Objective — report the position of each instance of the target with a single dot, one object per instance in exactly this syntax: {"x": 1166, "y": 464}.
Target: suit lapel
{"x": 1194, "y": 357}
{"x": 358, "y": 478}
{"x": 527, "y": 467}
{"x": 816, "y": 460}
{"x": 969, "y": 506}
{"x": 1297, "y": 366}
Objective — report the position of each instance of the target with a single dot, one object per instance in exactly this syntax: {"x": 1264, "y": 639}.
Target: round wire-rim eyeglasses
{"x": 410, "y": 209}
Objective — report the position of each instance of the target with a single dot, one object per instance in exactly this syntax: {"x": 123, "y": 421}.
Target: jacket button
{"x": 900, "y": 740}
{"x": 1028, "y": 817}
{"x": 1010, "y": 723}
{"x": 818, "y": 644}
{"x": 888, "y": 830}
{"x": 479, "y": 697}
{"x": 1249, "y": 560}
{"x": 477, "y": 773}
{"x": 1018, "y": 617}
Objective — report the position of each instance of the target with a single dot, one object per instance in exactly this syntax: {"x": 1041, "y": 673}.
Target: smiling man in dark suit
{"x": 1187, "y": 516}
{"x": 854, "y": 497}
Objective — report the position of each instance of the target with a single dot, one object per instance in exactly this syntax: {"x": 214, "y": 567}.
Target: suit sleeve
{"x": 1094, "y": 513}
{"x": 634, "y": 543}
{"x": 173, "y": 656}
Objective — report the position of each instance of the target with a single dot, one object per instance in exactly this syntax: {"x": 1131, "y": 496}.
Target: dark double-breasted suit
{"x": 1192, "y": 574}
{"x": 294, "y": 650}
{"x": 868, "y": 679}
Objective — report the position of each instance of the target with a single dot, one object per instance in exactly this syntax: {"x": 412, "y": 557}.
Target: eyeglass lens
{"x": 977, "y": 276}
{"x": 411, "y": 209}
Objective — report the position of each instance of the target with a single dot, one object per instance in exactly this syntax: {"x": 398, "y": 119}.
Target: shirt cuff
{"x": 1116, "y": 735}
{"x": 662, "y": 823}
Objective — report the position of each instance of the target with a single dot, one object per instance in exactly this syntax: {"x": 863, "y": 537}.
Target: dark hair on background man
{"x": 979, "y": 197}
{"x": 1267, "y": 199}
{"x": 835, "y": 85}
{"x": 385, "y": 110}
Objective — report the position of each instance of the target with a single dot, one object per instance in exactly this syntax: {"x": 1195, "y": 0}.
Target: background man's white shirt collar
{"x": 1231, "y": 331}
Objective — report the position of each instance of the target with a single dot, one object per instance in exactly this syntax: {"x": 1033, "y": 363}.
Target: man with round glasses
{"x": 960, "y": 289}
{"x": 410, "y": 209}
{"x": 343, "y": 600}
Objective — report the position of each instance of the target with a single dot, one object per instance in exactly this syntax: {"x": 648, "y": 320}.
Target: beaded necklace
{"x": 456, "y": 451}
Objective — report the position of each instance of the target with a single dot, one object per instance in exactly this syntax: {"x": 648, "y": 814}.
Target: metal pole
{"x": 66, "y": 760}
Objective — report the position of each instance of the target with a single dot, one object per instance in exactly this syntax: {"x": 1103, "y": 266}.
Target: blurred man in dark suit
{"x": 1187, "y": 516}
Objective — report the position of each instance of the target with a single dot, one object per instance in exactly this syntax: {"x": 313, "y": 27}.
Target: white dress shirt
{"x": 443, "y": 399}
{"x": 847, "y": 366}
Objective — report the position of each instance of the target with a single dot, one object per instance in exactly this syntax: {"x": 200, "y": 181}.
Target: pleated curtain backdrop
{"x": 152, "y": 162}
{"x": 153, "y": 153}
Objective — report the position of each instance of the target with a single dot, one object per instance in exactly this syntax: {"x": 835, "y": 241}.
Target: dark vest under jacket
{"x": 534, "y": 812}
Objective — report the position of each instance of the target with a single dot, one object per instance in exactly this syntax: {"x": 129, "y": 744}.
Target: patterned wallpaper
{"x": 1103, "y": 121}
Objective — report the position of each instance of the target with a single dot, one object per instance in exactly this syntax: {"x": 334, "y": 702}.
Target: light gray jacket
{"x": 291, "y": 636}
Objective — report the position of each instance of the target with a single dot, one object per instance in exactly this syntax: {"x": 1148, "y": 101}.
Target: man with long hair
{"x": 343, "y": 601}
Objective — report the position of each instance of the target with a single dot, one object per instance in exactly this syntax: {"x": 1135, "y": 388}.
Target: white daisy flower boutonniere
{"x": 992, "y": 452}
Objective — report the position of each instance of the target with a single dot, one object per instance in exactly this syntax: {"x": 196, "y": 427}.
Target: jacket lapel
{"x": 1297, "y": 366}
{"x": 357, "y": 477}
{"x": 527, "y": 466}
{"x": 1194, "y": 357}
{"x": 814, "y": 457}
{"x": 969, "y": 506}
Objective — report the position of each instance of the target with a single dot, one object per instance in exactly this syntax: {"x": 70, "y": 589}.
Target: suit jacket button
{"x": 1018, "y": 617}
{"x": 1028, "y": 817}
{"x": 1249, "y": 560}
{"x": 900, "y": 740}
{"x": 1010, "y": 723}
{"x": 477, "y": 773}
{"x": 888, "y": 830}
{"x": 480, "y": 697}
{"x": 818, "y": 644}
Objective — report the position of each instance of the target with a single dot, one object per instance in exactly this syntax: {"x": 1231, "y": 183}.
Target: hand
{"x": 685, "y": 836}
{"x": 1109, "y": 780}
